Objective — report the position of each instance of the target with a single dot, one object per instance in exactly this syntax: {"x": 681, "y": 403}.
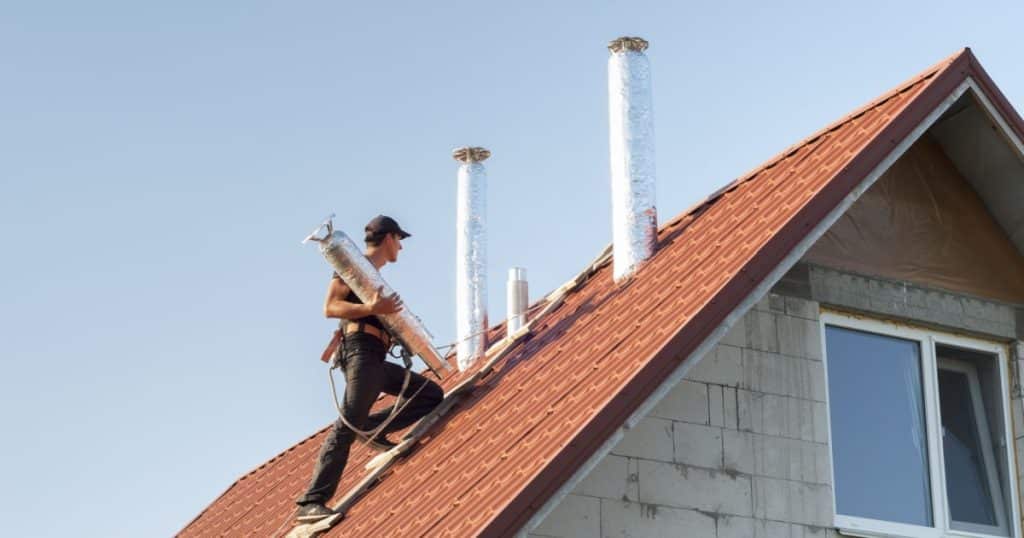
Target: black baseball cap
{"x": 382, "y": 224}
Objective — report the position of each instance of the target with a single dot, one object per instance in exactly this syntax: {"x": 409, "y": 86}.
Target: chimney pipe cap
{"x": 621, "y": 44}
{"x": 471, "y": 154}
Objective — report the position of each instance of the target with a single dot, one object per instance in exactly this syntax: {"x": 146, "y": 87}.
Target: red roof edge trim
{"x": 687, "y": 338}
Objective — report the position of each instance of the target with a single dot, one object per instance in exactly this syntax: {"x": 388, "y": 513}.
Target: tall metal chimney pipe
{"x": 631, "y": 122}
{"x": 471, "y": 256}
{"x": 517, "y": 299}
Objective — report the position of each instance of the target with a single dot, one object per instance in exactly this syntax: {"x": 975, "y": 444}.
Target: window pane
{"x": 879, "y": 445}
{"x": 970, "y": 500}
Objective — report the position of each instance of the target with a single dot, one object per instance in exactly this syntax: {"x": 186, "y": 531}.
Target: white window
{"x": 919, "y": 430}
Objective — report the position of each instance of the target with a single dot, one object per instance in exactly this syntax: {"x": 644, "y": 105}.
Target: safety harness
{"x": 337, "y": 362}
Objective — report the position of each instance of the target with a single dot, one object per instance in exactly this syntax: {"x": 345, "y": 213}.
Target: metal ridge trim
{"x": 995, "y": 113}
{"x": 994, "y": 97}
{"x": 712, "y": 322}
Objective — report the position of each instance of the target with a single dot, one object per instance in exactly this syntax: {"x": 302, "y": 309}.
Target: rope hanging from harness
{"x": 400, "y": 404}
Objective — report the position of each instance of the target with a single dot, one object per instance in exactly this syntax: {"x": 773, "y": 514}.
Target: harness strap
{"x": 399, "y": 405}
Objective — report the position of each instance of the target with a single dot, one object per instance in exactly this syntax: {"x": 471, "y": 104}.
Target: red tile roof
{"x": 500, "y": 454}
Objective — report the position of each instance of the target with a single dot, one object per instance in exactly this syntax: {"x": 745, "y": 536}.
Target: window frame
{"x": 927, "y": 339}
{"x": 984, "y": 437}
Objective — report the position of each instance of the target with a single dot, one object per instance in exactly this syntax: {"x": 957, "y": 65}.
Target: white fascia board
{"x": 998, "y": 118}
{"x": 760, "y": 291}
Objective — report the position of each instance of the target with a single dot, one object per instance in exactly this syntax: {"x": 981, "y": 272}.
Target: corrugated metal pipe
{"x": 631, "y": 122}
{"x": 517, "y": 299}
{"x": 363, "y": 278}
{"x": 471, "y": 256}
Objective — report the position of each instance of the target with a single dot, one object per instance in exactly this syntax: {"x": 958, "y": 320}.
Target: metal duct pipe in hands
{"x": 631, "y": 122}
{"x": 359, "y": 274}
{"x": 471, "y": 256}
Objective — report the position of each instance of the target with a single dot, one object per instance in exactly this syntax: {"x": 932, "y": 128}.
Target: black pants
{"x": 367, "y": 374}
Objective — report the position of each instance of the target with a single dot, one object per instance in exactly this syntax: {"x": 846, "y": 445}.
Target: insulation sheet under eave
{"x": 923, "y": 222}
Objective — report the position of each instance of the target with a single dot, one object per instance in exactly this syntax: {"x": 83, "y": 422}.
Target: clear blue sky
{"x": 160, "y": 323}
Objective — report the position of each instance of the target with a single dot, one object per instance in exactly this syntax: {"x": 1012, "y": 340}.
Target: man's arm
{"x": 335, "y": 306}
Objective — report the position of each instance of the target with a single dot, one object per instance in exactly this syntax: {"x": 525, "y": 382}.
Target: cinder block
{"x": 737, "y": 335}
{"x": 781, "y": 374}
{"x": 721, "y": 366}
{"x": 687, "y": 402}
{"x": 736, "y": 527}
{"x": 698, "y": 445}
{"x": 802, "y": 308}
{"x": 819, "y": 381}
{"x": 943, "y": 308}
{"x": 987, "y": 326}
{"x": 776, "y": 457}
{"x": 651, "y": 439}
{"x": 729, "y": 408}
{"x": 716, "y": 407}
{"x": 750, "y": 410}
{"x": 833, "y": 287}
{"x": 626, "y": 519}
{"x": 1005, "y": 315}
{"x": 575, "y": 516}
{"x": 814, "y": 343}
{"x": 981, "y": 309}
{"x": 682, "y": 486}
{"x": 916, "y": 298}
{"x": 890, "y": 304}
{"x": 781, "y": 416}
{"x": 614, "y": 477}
{"x": 738, "y": 452}
{"x": 745, "y": 527}
{"x": 799, "y": 337}
{"x": 796, "y": 502}
{"x": 814, "y": 532}
{"x": 777, "y": 303}
{"x": 820, "y": 421}
{"x": 761, "y": 331}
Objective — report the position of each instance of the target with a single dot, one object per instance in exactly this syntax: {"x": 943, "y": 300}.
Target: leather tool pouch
{"x": 332, "y": 346}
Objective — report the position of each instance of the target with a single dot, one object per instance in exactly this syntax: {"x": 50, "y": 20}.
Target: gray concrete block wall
{"x": 740, "y": 447}
{"x": 737, "y": 449}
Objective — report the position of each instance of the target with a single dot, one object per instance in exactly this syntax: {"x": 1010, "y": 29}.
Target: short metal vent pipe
{"x": 517, "y": 299}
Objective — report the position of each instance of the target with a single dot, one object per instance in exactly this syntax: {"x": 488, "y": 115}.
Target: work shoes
{"x": 381, "y": 444}
{"x": 313, "y": 512}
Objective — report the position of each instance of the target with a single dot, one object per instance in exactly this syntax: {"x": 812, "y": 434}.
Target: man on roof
{"x": 367, "y": 373}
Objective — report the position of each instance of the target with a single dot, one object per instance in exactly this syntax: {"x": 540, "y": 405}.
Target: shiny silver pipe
{"x": 359, "y": 274}
{"x": 471, "y": 256}
{"x": 631, "y": 122}
{"x": 517, "y": 299}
